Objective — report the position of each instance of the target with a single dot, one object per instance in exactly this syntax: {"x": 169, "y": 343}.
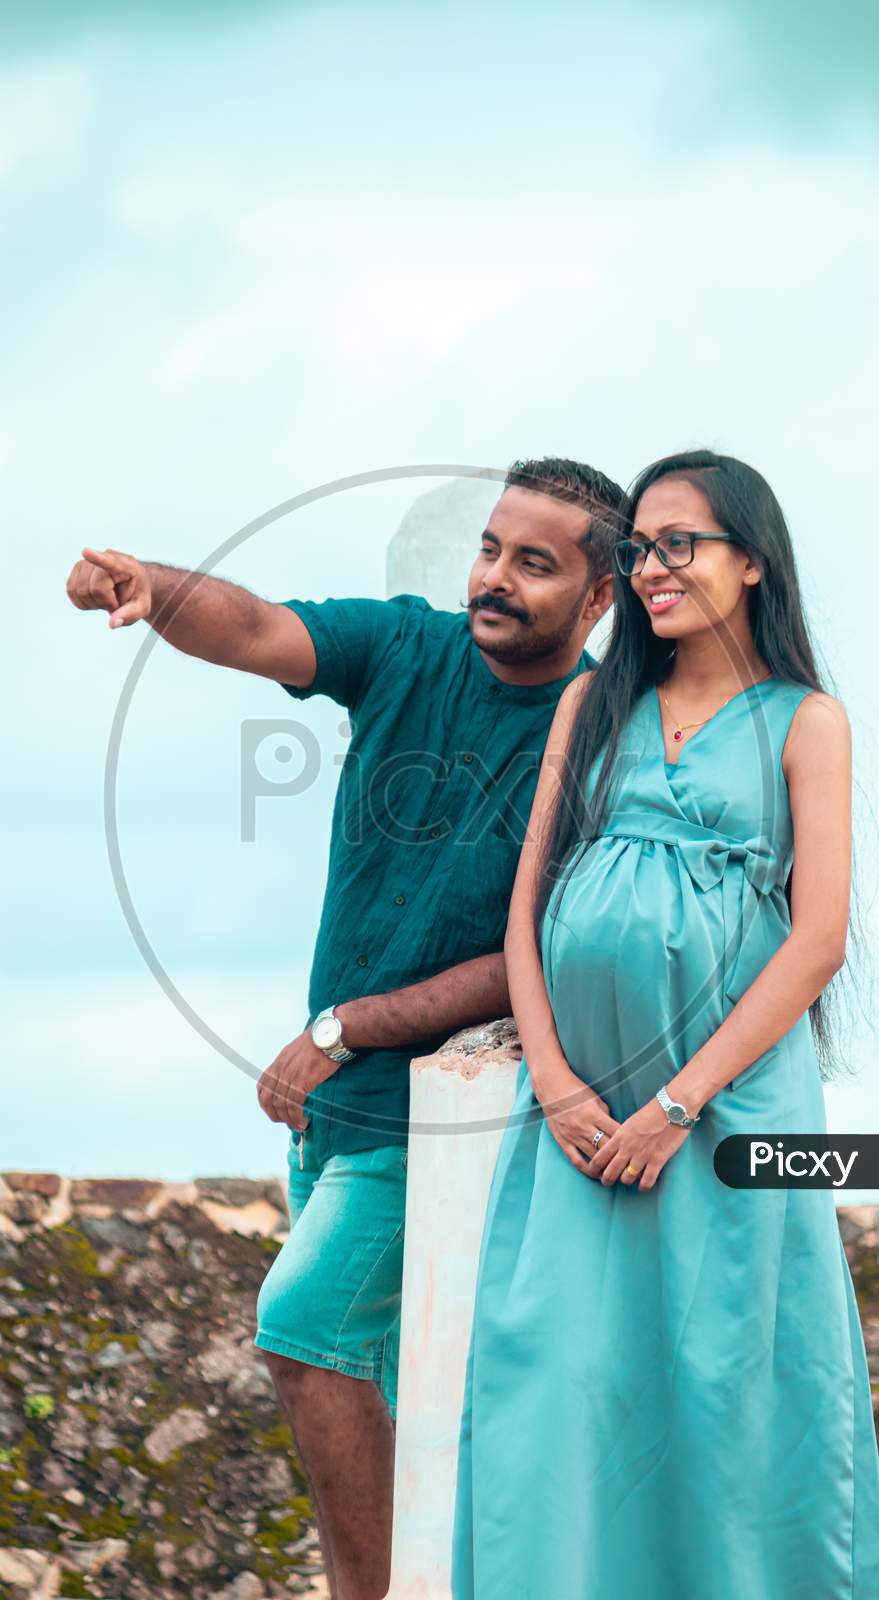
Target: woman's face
{"x": 713, "y": 589}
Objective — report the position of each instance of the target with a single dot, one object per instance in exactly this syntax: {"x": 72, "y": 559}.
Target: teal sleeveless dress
{"x": 667, "y": 1394}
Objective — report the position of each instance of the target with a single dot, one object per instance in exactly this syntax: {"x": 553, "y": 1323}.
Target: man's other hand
{"x": 295, "y": 1071}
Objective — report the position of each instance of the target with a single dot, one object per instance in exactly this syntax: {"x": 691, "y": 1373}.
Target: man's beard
{"x": 527, "y": 644}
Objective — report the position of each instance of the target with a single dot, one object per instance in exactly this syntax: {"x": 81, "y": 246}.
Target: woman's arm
{"x": 817, "y": 764}
{"x": 553, "y": 1081}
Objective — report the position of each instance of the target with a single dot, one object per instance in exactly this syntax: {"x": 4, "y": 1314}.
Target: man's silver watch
{"x": 674, "y": 1110}
{"x": 326, "y": 1031}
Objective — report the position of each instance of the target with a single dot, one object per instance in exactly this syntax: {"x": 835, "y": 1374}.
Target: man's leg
{"x": 328, "y": 1314}
{"x": 345, "y": 1438}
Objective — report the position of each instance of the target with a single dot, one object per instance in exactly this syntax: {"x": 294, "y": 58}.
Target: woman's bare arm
{"x": 817, "y": 764}
{"x": 528, "y": 994}
{"x": 581, "y": 1111}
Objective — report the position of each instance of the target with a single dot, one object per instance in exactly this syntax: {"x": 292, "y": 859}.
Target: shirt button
{"x": 434, "y": 833}
{"x": 363, "y": 961}
{"x": 467, "y": 756}
{"x": 399, "y": 899}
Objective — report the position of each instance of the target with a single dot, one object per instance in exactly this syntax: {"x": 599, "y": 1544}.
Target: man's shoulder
{"x": 421, "y": 607}
{"x": 398, "y": 620}
{"x": 418, "y": 616}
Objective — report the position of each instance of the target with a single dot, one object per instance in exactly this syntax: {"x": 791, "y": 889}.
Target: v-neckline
{"x": 672, "y": 765}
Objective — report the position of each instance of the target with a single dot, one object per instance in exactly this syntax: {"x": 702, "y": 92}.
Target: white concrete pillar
{"x": 470, "y": 1081}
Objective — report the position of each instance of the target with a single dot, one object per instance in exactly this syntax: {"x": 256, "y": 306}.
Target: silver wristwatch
{"x": 326, "y": 1031}
{"x": 674, "y": 1110}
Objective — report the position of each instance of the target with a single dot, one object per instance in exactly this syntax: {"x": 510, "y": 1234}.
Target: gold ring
{"x": 635, "y": 1171}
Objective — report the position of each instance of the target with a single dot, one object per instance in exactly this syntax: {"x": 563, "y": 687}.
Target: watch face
{"x": 326, "y": 1032}
{"x": 676, "y": 1113}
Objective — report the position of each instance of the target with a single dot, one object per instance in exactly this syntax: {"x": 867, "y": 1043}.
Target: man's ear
{"x": 600, "y": 600}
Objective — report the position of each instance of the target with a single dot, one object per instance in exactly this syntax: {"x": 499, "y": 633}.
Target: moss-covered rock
{"x": 110, "y": 1345}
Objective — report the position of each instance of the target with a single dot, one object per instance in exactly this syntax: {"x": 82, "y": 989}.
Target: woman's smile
{"x": 663, "y": 600}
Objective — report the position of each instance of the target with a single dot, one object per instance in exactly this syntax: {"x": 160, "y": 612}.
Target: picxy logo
{"x": 798, "y": 1161}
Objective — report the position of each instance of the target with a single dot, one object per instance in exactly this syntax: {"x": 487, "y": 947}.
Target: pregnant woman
{"x": 667, "y": 1394}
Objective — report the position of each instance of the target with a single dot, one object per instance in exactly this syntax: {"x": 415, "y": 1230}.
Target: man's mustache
{"x": 494, "y": 605}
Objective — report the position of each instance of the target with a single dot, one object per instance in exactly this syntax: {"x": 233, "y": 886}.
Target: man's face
{"x": 530, "y": 587}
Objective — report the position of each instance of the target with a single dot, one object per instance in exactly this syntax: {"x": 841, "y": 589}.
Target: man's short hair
{"x": 584, "y": 486}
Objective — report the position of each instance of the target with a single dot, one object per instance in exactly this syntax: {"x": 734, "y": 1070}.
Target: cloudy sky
{"x": 251, "y": 248}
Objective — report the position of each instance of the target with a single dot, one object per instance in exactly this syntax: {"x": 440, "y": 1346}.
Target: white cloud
{"x": 157, "y": 203}
{"x": 353, "y": 279}
{"x": 130, "y": 1033}
{"x": 43, "y": 112}
{"x": 249, "y": 332}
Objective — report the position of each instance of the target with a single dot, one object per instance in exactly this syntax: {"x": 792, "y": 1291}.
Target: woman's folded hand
{"x": 574, "y": 1113}
{"x": 640, "y": 1147}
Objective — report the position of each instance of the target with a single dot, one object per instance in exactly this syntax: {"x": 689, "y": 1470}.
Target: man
{"x": 449, "y": 714}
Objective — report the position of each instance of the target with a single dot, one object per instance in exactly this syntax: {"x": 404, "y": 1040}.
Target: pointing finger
{"x": 112, "y": 561}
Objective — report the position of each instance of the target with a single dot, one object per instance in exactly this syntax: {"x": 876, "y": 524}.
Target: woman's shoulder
{"x": 814, "y": 708}
{"x": 819, "y": 722}
{"x": 567, "y": 706}
{"x": 574, "y": 691}
{"x": 569, "y": 702}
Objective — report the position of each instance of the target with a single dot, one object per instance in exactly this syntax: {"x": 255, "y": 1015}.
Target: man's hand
{"x": 295, "y": 1071}
{"x": 108, "y": 580}
{"x": 646, "y": 1141}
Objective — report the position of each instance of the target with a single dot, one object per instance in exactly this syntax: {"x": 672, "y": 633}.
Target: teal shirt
{"x": 428, "y": 821}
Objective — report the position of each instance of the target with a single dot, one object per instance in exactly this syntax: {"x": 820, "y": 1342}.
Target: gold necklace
{"x": 681, "y": 727}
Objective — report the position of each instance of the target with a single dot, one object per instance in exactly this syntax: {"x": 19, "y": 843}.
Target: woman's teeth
{"x": 666, "y": 597}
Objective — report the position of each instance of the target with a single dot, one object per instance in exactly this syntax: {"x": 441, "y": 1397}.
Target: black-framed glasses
{"x": 673, "y": 550}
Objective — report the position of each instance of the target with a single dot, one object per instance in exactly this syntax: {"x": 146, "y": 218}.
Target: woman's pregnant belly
{"x": 633, "y": 961}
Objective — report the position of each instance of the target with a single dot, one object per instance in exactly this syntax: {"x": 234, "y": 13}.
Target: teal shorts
{"x": 332, "y": 1294}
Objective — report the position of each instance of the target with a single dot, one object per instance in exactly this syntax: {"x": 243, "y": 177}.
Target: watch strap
{"x": 338, "y": 1052}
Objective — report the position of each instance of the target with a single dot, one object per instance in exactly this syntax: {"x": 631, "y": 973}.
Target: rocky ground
{"x": 143, "y": 1454}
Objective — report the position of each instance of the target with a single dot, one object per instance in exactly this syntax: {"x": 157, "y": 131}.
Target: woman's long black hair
{"x": 743, "y": 505}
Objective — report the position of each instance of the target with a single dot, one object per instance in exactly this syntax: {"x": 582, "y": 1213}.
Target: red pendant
{"x": 678, "y": 735}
